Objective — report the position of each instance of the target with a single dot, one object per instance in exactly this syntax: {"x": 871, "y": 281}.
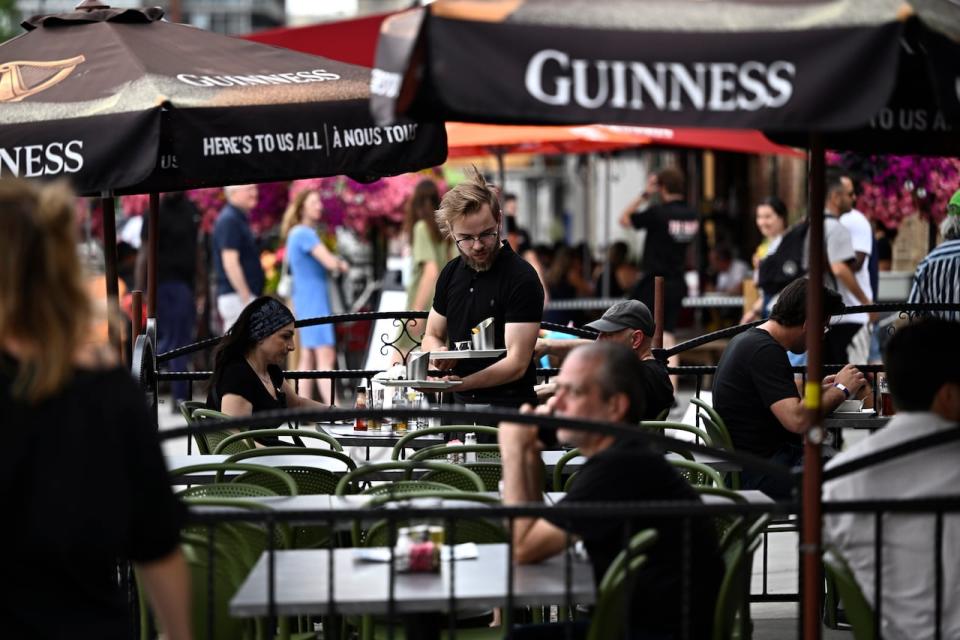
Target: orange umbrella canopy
{"x": 467, "y": 139}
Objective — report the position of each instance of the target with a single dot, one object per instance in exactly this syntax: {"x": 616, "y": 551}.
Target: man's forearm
{"x": 520, "y": 480}
{"x": 847, "y": 279}
{"x": 561, "y": 348}
{"x": 502, "y": 372}
{"x": 432, "y": 343}
{"x": 237, "y": 280}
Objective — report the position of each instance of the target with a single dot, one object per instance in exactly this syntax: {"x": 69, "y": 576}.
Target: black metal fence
{"x": 272, "y": 589}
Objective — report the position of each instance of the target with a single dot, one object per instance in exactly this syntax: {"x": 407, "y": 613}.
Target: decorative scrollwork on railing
{"x": 403, "y": 341}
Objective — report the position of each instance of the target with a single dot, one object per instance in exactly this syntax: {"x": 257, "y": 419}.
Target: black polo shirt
{"x": 510, "y": 291}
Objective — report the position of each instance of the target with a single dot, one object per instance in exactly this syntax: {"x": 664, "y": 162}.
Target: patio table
{"x": 302, "y": 585}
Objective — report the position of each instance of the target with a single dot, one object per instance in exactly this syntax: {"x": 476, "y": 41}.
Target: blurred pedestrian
{"x": 429, "y": 253}
{"x": 671, "y": 227}
{"x": 236, "y": 260}
{"x": 623, "y": 272}
{"x": 771, "y": 220}
{"x": 176, "y": 274}
{"x": 309, "y": 260}
{"x": 938, "y": 275}
{"x": 75, "y": 427}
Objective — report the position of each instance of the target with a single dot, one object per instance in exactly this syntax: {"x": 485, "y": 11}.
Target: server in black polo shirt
{"x": 486, "y": 279}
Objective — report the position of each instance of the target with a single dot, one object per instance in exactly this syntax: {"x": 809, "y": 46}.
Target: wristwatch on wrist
{"x": 843, "y": 387}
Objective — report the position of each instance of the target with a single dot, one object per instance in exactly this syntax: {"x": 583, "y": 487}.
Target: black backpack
{"x": 783, "y": 266}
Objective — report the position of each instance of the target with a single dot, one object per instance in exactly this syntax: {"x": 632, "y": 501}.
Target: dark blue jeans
{"x": 176, "y": 317}
{"x": 790, "y": 456}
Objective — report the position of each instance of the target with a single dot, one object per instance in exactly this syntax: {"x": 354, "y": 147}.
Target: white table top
{"x": 302, "y": 587}
{"x": 337, "y": 503}
{"x": 291, "y": 460}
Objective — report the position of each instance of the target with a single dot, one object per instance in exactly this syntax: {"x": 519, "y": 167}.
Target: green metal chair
{"x": 477, "y": 530}
{"x": 726, "y": 525}
{"x": 207, "y": 442}
{"x": 720, "y": 438}
{"x": 221, "y": 562}
{"x": 662, "y": 425}
{"x": 558, "y": 483}
{"x": 714, "y": 425}
{"x": 698, "y": 474}
{"x": 187, "y": 407}
{"x": 489, "y": 470}
{"x": 480, "y": 531}
{"x": 408, "y": 467}
{"x": 452, "y": 429}
{"x": 310, "y": 480}
{"x": 613, "y": 600}
{"x": 279, "y": 433}
{"x": 731, "y": 619}
{"x": 221, "y": 489}
{"x": 842, "y": 586}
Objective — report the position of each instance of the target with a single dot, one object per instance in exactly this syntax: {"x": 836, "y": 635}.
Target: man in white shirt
{"x": 842, "y": 257}
{"x": 861, "y": 237}
{"x": 921, "y": 364}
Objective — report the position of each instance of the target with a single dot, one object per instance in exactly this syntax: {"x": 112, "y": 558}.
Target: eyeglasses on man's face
{"x": 486, "y": 238}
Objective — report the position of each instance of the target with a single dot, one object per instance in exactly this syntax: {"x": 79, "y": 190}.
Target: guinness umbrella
{"x": 877, "y": 70}
{"x": 120, "y": 101}
{"x": 871, "y": 75}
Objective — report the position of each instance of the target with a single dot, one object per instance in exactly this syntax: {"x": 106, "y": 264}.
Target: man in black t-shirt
{"x": 601, "y": 381}
{"x": 672, "y": 226}
{"x": 486, "y": 280}
{"x": 755, "y": 393}
{"x": 629, "y": 323}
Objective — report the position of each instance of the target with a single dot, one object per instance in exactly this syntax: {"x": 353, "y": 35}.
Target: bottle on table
{"x": 360, "y": 424}
{"x": 886, "y": 400}
{"x": 399, "y": 402}
{"x": 470, "y": 440}
{"x": 376, "y": 402}
{"x": 423, "y": 420}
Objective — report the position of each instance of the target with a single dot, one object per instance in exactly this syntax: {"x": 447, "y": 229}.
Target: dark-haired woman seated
{"x": 248, "y": 364}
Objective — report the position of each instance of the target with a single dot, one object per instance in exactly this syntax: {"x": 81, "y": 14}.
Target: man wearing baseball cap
{"x": 630, "y": 323}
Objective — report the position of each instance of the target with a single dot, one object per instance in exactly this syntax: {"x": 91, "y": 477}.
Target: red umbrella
{"x": 469, "y": 139}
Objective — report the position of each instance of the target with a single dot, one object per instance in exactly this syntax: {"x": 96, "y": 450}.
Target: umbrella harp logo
{"x": 24, "y": 78}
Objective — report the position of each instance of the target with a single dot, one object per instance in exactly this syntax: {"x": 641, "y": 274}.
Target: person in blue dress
{"x": 309, "y": 261}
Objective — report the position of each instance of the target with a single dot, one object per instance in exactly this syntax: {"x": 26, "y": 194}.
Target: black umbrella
{"x": 886, "y": 77}
{"x": 871, "y": 75}
{"x": 121, "y": 101}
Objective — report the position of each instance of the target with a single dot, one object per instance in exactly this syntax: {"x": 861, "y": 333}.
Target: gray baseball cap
{"x": 628, "y": 314}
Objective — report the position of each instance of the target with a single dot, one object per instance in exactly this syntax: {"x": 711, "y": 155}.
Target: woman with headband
{"x": 248, "y": 364}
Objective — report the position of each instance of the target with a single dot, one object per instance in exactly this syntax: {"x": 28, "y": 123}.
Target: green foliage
{"x": 9, "y": 20}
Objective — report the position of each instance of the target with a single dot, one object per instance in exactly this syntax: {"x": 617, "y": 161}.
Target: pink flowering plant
{"x": 895, "y": 187}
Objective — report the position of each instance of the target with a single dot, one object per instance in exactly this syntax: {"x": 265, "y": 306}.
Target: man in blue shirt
{"x": 236, "y": 258}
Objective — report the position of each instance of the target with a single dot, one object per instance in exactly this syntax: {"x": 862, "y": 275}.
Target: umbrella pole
{"x": 153, "y": 253}
{"x": 658, "y": 312}
{"x": 501, "y": 169}
{"x": 607, "y": 275}
{"x": 110, "y": 270}
{"x": 811, "y": 514}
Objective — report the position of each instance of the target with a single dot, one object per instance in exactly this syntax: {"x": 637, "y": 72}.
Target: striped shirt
{"x": 938, "y": 278}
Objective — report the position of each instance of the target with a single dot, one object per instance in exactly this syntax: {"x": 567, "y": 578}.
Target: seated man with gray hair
{"x": 601, "y": 381}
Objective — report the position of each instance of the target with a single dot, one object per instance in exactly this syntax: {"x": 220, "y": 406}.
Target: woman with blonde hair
{"x": 309, "y": 260}
{"x": 87, "y": 484}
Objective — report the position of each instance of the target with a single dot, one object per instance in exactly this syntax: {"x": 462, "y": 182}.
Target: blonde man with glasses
{"x": 487, "y": 279}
